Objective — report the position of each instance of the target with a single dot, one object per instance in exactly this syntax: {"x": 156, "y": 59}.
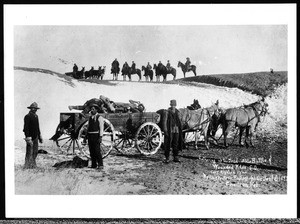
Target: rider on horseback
{"x": 159, "y": 64}
{"x": 149, "y": 67}
{"x": 125, "y": 67}
{"x": 115, "y": 64}
{"x": 133, "y": 67}
{"x": 168, "y": 66}
{"x": 188, "y": 63}
{"x": 75, "y": 68}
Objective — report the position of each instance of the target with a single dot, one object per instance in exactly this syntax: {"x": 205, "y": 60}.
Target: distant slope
{"x": 260, "y": 83}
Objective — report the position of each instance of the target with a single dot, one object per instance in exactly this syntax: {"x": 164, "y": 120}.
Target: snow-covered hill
{"x": 54, "y": 93}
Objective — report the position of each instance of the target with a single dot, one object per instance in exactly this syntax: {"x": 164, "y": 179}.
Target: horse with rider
{"x": 187, "y": 67}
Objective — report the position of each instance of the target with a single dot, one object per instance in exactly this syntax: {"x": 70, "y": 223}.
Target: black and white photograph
{"x": 186, "y": 115}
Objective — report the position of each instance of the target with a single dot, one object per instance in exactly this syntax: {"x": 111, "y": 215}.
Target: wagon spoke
{"x": 107, "y": 128}
{"x": 62, "y": 138}
{"x": 149, "y": 147}
{"x": 154, "y": 134}
{"x": 141, "y": 135}
{"x": 143, "y": 131}
{"x": 77, "y": 144}
{"x": 119, "y": 142}
{"x": 66, "y": 142}
{"x": 151, "y": 132}
{"x": 69, "y": 146}
{"x": 154, "y": 143}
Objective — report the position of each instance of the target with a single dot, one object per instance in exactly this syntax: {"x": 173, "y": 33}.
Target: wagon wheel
{"x": 148, "y": 138}
{"x": 107, "y": 140}
{"x": 124, "y": 142}
{"x": 66, "y": 142}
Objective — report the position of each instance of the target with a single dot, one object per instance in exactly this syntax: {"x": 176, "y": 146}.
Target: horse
{"x": 80, "y": 73}
{"x": 125, "y": 71}
{"x": 115, "y": 70}
{"x": 134, "y": 71}
{"x": 148, "y": 73}
{"x": 184, "y": 68}
{"x": 157, "y": 74}
{"x": 198, "y": 120}
{"x": 193, "y": 120}
{"x": 245, "y": 117}
{"x": 89, "y": 74}
{"x": 163, "y": 70}
{"x": 100, "y": 73}
{"x": 95, "y": 73}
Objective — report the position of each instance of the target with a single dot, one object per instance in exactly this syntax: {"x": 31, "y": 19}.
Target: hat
{"x": 187, "y": 58}
{"x": 173, "y": 103}
{"x": 33, "y": 105}
{"x": 96, "y": 106}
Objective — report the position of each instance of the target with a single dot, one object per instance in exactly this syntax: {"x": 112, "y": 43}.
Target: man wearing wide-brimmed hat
{"x": 172, "y": 132}
{"x": 32, "y": 136}
{"x": 95, "y": 131}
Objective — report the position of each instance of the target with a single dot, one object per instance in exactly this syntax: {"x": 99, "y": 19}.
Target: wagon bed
{"x": 122, "y": 131}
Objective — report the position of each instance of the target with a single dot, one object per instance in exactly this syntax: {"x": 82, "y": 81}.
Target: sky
{"x": 214, "y": 49}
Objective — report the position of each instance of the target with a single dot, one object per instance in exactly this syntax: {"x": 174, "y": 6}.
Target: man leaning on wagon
{"x": 32, "y": 136}
{"x": 95, "y": 131}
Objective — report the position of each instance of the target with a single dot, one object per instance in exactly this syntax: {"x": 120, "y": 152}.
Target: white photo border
{"x": 167, "y": 206}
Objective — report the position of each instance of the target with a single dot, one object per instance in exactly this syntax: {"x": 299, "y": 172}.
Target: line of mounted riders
{"x": 127, "y": 71}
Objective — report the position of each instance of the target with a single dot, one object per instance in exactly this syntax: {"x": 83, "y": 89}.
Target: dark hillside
{"x": 260, "y": 83}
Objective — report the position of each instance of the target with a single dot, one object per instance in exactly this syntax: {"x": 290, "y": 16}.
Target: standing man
{"x": 95, "y": 131}
{"x": 173, "y": 132}
{"x": 32, "y": 136}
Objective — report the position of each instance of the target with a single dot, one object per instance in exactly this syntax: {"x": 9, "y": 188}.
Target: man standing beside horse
{"x": 172, "y": 132}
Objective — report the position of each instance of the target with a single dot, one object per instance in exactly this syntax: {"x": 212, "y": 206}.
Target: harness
{"x": 257, "y": 114}
{"x": 198, "y": 123}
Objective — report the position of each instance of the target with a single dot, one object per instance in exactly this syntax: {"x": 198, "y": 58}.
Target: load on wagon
{"x": 126, "y": 126}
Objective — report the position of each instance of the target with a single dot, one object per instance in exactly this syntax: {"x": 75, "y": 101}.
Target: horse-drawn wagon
{"x": 122, "y": 131}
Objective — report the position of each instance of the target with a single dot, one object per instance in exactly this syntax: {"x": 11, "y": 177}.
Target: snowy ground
{"x": 147, "y": 175}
